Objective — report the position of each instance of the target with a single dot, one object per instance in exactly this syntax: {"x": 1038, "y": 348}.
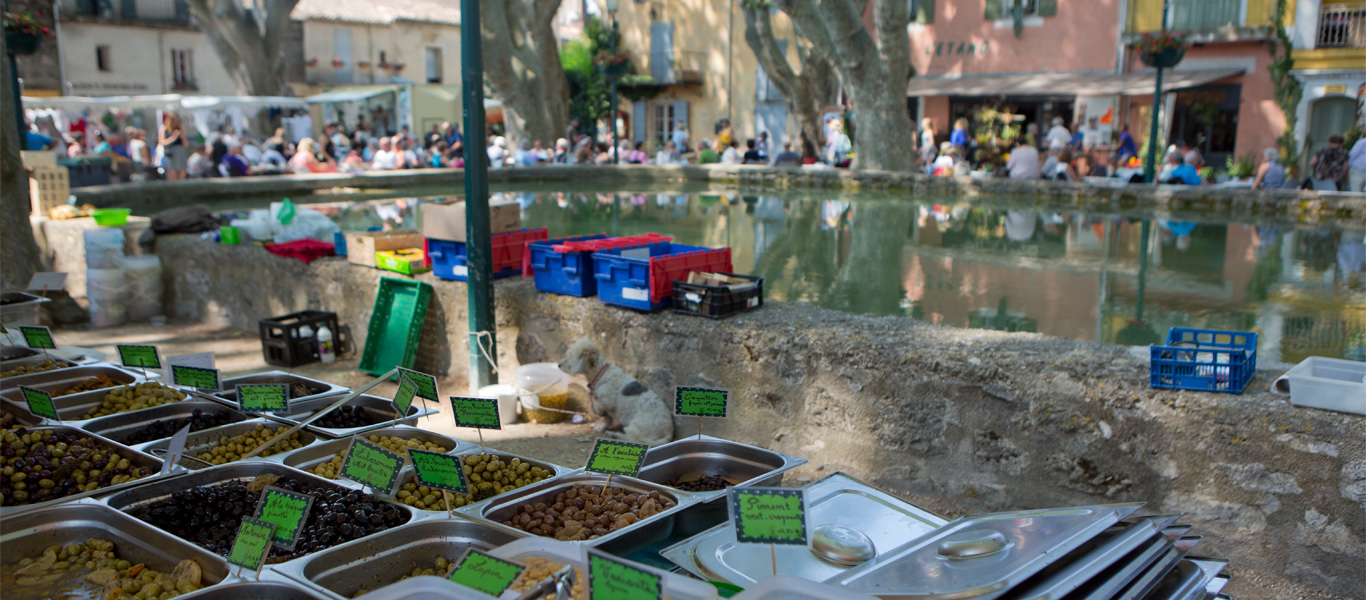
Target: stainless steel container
{"x": 751, "y": 465}
{"x": 381, "y": 559}
{"x": 257, "y": 590}
{"x": 136, "y": 458}
{"x": 381, "y": 408}
{"x": 9, "y": 353}
{"x": 73, "y": 407}
{"x": 313, "y": 455}
{"x": 408, "y": 476}
{"x": 836, "y": 500}
{"x": 626, "y": 540}
{"x": 25, "y": 536}
{"x": 29, "y": 361}
{"x": 244, "y": 471}
{"x": 57, "y": 382}
{"x": 122, "y": 426}
{"x": 21, "y": 415}
{"x": 319, "y": 389}
{"x": 205, "y": 440}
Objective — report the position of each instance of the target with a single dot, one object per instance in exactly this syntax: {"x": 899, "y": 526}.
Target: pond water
{"x": 1089, "y": 276}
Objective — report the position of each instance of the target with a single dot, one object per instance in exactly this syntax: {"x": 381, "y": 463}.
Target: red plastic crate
{"x": 614, "y": 242}
{"x": 665, "y": 269}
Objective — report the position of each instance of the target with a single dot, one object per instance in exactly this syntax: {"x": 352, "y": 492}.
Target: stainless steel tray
{"x": 17, "y": 352}
{"x": 626, "y": 540}
{"x": 205, "y": 439}
{"x": 243, "y": 471}
{"x": 56, "y": 382}
{"x": 73, "y": 407}
{"x": 1089, "y": 560}
{"x": 138, "y": 459}
{"x": 6, "y": 365}
{"x": 381, "y": 559}
{"x": 752, "y": 465}
{"x": 315, "y": 454}
{"x": 21, "y": 415}
{"x": 25, "y": 536}
{"x": 119, "y": 427}
{"x": 228, "y": 395}
{"x": 836, "y": 499}
{"x": 380, "y": 407}
{"x": 258, "y": 590}
{"x": 408, "y": 476}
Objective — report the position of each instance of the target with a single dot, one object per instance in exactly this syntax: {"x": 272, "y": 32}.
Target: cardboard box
{"x": 409, "y": 261}
{"x": 734, "y": 284}
{"x": 38, "y": 158}
{"x": 446, "y": 221}
{"x": 361, "y": 247}
{"x": 48, "y": 187}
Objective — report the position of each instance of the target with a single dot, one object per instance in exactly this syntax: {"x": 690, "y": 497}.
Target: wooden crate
{"x": 41, "y": 158}
{"x": 362, "y": 246}
{"x": 47, "y": 187}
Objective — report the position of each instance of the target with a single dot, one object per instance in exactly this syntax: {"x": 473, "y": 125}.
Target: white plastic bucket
{"x": 107, "y": 291}
{"x": 103, "y": 248}
{"x": 508, "y": 397}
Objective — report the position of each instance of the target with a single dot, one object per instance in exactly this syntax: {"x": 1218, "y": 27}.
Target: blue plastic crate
{"x": 449, "y": 261}
{"x": 627, "y": 276}
{"x": 566, "y": 273}
{"x": 339, "y": 243}
{"x": 1204, "y": 360}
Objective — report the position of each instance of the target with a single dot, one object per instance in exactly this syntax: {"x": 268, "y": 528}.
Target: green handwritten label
{"x": 700, "y": 402}
{"x": 404, "y": 397}
{"x": 368, "y": 464}
{"x": 285, "y": 510}
{"x": 39, "y": 403}
{"x": 258, "y": 398}
{"x": 613, "y": 579}
{"x": 769, "y": 515}
{"x": 195, "y": 377}
{"x": 145, "y": 357}
{"x": 38, "y": 337}
{"x": 440, "y": 471}
{"x": 617, "y": 458}
{"x": 485, "y": 573}
{"x": 476, "y": 412}
{"x": 252, "y": 543}
{"x": 426, "y": 384}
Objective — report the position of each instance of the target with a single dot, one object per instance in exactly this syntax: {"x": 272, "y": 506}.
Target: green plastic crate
{"x": 395, "y": 325}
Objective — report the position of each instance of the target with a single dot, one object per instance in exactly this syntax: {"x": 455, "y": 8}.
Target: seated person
{"x": 1188, "y": 173}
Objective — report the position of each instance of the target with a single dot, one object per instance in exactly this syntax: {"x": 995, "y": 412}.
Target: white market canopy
{"x": 162, "y": 101}
{"x": 351, "y": 94}
{"x": 1067, "y": 84}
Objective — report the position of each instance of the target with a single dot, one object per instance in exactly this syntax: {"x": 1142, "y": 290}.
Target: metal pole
{"x": 1149, "y": 173}
{"x": 14, "y": 86}
{"x": 612, "y": 112}
{"x": 483, "y": 332}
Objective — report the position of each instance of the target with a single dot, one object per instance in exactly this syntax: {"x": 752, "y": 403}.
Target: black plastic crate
{"x": 717, "y": 302}
{"x": 284, "y": 347}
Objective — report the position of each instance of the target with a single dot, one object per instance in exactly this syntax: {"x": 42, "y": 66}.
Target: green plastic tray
{"x": 395, "y": 325}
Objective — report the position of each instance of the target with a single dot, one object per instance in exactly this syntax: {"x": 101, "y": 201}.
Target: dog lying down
{"x": 622, "y": 401}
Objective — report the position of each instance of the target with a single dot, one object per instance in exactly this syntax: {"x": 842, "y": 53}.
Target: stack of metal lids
{"x": 1087, "y": 552}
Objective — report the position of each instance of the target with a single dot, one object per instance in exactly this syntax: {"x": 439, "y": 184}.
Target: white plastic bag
{"x": 307, "y": 224}
{"x": 258, "y": 225}
{"x": 107, "y": 290}
{"x": 103, "y": 248}
{"x": 143, "y": 274}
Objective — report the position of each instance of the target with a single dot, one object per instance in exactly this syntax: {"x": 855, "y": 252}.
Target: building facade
{"x": 1329, "y": 41}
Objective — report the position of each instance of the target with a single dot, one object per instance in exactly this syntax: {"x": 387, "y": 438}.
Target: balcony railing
{"x": 678, "y": 67}
{"x": 157, "y": 11}
{"x": 1342, "y": 25}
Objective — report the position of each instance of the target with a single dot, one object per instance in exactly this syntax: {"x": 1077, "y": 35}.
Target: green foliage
{"x": 590, "y": 92}
{"x": 1351, "y": 136}
{"x": 1243, "y": 166}
{"x": 1288, "y": 89}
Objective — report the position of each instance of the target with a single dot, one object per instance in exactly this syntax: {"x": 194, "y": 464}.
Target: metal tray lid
{"x": 984, "y": 556}
{"x": 427, "y": 587}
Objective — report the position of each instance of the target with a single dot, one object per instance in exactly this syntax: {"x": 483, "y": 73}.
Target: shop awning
{"x": 160, "y": 101}
{"x": 351, "y": 94}
{"x": 1064, "y": 84}
{"x": 209, "y": 102}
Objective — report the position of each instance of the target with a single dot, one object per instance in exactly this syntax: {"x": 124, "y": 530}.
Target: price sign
{"x": 426, "y": 384}
{"x": 700, "y": 402}
{"x": 174, "y": 449}
{"x": 439, "y": 471}
{"x": 252, "y": 543}
{"x": 481, "y": 413}
{"x": 769, "y": 515}
{"x": 50, "y": 280}
{"x": 256, "y": 398}
{"x": 203, "y": 360}
{"x": 369, "y": 464}
{"x": 407, "y": 390}
{"x": 39, "y": 403}
{"x": 145, "y": 357}
{"x": 38, "y": 337}
{"x": 613, "y": 579}
{"x": 285, "y": 510}
{"x": 195, "y": 377}
{"x": 611, "y": 457}
{"x": 485, "y": 573}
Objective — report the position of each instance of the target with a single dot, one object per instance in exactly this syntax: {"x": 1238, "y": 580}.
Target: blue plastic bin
{"x": 566, "y": 273}
{"x": 449, "y": 262}
{"x": 626, "y": 276}
{"x": 339, "y": 243}
{"x": 1204, "y": 360}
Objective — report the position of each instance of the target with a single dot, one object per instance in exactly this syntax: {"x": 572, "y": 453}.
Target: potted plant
{"x": 336, "y": 62}
{"x": 364, "y": 64}
{"x": 312, "y": 62}
{"x": 1162, "y": 50}
{"x": 1242, "y": 166}
{"x": 613, "y": 64}
{"x": 23, "y": 33}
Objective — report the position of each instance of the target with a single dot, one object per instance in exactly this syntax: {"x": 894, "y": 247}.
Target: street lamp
{"x": 612, "y": 6}
{"x": 1149, "y": 172}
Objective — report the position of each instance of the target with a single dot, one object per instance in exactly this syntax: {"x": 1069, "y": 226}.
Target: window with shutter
{"x": 1047, "y": 8}
{"x": 924, "y": 11}
{"x": 994, "y": 11}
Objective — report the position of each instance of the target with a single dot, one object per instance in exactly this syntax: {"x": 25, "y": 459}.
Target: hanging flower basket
{"x": 336, "y": 61}
{"x": 1163, "y": 59}
{"x": 363, "y": 64}
{"x": 616, "y": 70}
{"x": 1162, "y": 50}
{"x": 22, "y": 44}
{"x": 613, "y": 64}
{"x": 312, "y": 62}
{"x": 24, "y": 33}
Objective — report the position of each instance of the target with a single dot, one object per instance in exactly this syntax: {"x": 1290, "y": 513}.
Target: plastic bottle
{"x": 326, "y": 351}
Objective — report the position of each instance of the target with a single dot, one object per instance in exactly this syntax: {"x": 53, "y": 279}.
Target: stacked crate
{"x": 49, "y": 185}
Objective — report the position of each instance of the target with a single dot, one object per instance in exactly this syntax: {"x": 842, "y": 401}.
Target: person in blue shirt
{"x": 959, "y": 137}
{"x": 1188, "y": 173}
{"x": 1126, "y": 145}
{"x": 35, "y": 142}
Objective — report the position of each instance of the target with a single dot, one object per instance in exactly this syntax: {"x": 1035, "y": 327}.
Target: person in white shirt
{"x": 680, "y": 137}
{"x": 1024, "y": 160}
{"x": 1058, "y": 133}
{"x": 384, "y": 159}
{"x": 668, "y": 155}
{"x": 944, "y": 164}
{"x": 498, "y": 153}
{"x": 1091, "y": 134}
{"x": 731, "y": 156}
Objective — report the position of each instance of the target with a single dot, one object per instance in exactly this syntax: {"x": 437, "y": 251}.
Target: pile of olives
{"x": 93, "y": 569}
{"x": 45, "y": 465}
{"x": 47, "y": 365}
{"x": 443, "y": 565}
{"x": 98, "y": 382}
{"x": 347, "y": 417}
{"x": 487, "y": 476}
{"x": 588, "y": 512}
{"x": 230, "y": 449}
{"x": 135, "y": 396}
{"x": 165, "y": 428}
{"x": 397, "y": 444}
{"x": 702, "y": 483}
{"x": 210, "y": 515}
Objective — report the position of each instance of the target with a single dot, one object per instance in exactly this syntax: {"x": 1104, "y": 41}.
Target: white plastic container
{"x": 508, "y": 396}
{"x": 143, "y": 274}
{"x": 103, "y": 248}
{"x": 787, "y": 587}
{"x": 427, "y": 587}
{"x": 549, "y": 387}
{"x": 24, "y": 309}
{"x": 676, "y": 587}
{"x": 1330, "y": 384}
{"x": 107, "y": 291}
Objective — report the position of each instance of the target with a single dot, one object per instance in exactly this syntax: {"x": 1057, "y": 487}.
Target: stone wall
{"x": 959, "y": 421}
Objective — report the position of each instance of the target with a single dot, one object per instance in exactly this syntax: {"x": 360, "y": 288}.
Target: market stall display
{"x": 32, "y": 364}
{"x": 45, "y": 465}
{"x": 361, "y": 414}
{"x": 324, "y": 459}
{"x": 163, "y": 421}
{"x": 489, "y": 475}
{"x": 227, "y": 443}
{"x": 300, "y": 388}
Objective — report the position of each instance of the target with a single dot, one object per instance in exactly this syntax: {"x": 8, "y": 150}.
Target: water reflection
{"x": 1105, "y": 277}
